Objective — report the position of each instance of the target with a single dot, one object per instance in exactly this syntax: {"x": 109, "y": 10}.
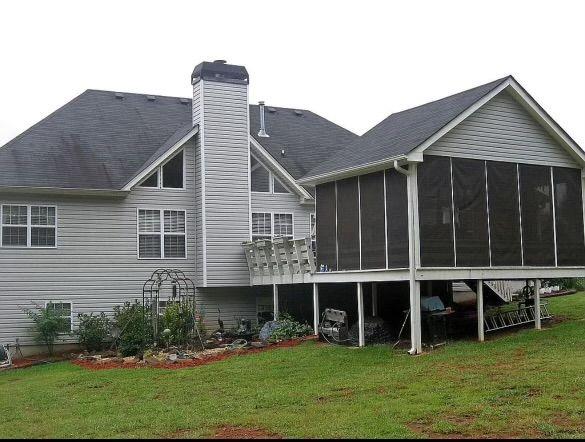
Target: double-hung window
{"x": 28, "y": 226}
{"x": 266, "y": 225}
{"x": 162, "y": 234}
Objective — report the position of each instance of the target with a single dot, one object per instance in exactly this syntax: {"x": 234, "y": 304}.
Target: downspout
{"x": 412, "y": 249}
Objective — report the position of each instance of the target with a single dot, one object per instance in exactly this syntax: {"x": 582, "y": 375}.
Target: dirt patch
{"x": 187, "y": 363}
{"x": 462, "y": 428}
{"x": 230, "y": 432}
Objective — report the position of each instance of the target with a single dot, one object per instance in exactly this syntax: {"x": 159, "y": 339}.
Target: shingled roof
{"x": 401, "y": 132}
{"x": 100, "y": 140}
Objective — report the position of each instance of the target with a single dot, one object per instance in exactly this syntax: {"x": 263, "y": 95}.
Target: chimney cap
{"x": 220, "y": 72}
{"x": 220, "y": 61}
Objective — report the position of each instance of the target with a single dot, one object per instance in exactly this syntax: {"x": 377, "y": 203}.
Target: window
{"x": 262, "y": 180}
{"x": 313, "y": 227}
{"x": 168, "y": 176}
{"x": 29, "y": 226}
{"x": 261, "y": 226}
{"x": 283, "y": 225}
{"x": 63, "y": 309}
{"x": 161, "y": 234}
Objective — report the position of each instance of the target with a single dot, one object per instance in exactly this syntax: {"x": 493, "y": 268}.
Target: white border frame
{"x": 272, "y": 213}
{"x": 161, "y": 234}
{"x": 62, "y": 301}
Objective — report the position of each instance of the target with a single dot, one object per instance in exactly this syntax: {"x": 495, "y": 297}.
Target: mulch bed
{"x": 186, "y": 363}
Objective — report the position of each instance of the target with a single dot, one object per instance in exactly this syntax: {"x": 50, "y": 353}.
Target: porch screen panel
{"x": 537, "y": 215}
{"x": 325, "y": 226}
{"x": 504, "y": 214}
{"x": 569, "y": 216}
{"x": 471, "y": 220}
{"x": 397, "y": 213}
{"x": 348, "y": 239}
{"x": 373, "y": 221}
{"x": 435, "y": 212}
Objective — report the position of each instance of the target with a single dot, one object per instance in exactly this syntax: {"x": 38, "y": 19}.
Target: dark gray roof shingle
{"x": 402, "y": 132}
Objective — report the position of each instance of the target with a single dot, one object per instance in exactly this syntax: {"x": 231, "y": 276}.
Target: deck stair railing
{"x": 279, "y": 259}
{"x": 499, "y": 319}
{"x": 501, "y": 288}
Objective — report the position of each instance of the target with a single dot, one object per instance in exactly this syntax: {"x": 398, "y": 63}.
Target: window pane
{"x": 174, "y": 221}
{"x": 42, "y": 237}
{"x": 537, "y": 219}
{"x": 259, "y": 176}
{"x": 149, "y": 221}
{"x": 149, "y": 246}
{"x": 151, "y": 181}
{"x": 62, "y": 309}
{"x": 16, "y": 215}
{"x": 569, "y": 217}
{"x": 14, "y": 236}
{"x": 326, "y": 231}
{"x": 174, "y": 246}
{"x": 279, "y": 188}
{"x": 397, "y": 225}
{"x": 435, "y": 212}
{"x": 42, "y": 216}
{"x": 283, "y": 224}
{"x": 504, "y": 214}
{"x": 261, "y": 226}
{"x": 373, "y": 221}
{"x": 173, "y": 172}
{"x": 471, "y": 224}
{"x": 348, "y": 236}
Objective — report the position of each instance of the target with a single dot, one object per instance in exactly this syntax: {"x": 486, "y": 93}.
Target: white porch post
{"x": 275, "y": 300}
{"x": 537, "y": 323}
{"x": 414, "y": 259}
{"x": 374, "y": 299}
{"x": 316, "y": 308}
{"x": 360, "y": 300}
{"x": 480, "y": 323}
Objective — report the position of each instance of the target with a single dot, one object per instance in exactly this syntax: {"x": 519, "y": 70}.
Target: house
{"x": 483, "y": 185}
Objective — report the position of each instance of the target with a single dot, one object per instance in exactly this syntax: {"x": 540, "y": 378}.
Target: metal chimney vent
{"x": 262, "y": 131}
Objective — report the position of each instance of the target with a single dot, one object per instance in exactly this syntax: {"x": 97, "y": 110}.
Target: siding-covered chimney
{"x": 220, "y": 108}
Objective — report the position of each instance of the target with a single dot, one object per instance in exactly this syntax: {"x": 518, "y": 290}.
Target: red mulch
{"x": 92, "y": 365}
{"x": 243, "y": 433}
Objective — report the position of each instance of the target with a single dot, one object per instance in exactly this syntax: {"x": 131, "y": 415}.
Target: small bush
{"x": 48, "y": 325}
{"x": 94, "y": 331}
{"x": 134, "y": 328}
{"x": 180, "y": 320}
{"x": 288, "y": 328}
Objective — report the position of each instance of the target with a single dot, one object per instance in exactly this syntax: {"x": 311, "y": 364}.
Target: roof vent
{"x": 119, "y": 95}
{"x": 262, "y": 132}
{"x": 150, "y": 97}
{"x": 298, "y": 112}
{"x": 184, "y": 100}
{"x": 282, "y": 152}
{"x": 272, "y": 110}
{"x": 220, "y": 61}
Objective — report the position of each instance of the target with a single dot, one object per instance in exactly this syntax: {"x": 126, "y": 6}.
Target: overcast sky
{"x": 352, "y": 62}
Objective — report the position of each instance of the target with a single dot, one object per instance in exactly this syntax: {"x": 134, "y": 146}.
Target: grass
{"x": 522, "y": 384}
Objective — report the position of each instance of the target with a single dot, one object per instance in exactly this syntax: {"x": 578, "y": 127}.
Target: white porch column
{"x": 415, "y": 318}
{"x": 537, "y": 323}
{"x": 360, "y": 300}
{"x": 374, "y": 299}
{"x": 316, "y": 308}
{"x": 275, "y": 300}
{"x": 480, "y": 323}
{"x": 414, "y": 261}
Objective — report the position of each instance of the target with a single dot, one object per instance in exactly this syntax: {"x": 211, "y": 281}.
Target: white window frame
{"x": 272, "y": 216}
{"x": 271, "y": 226}
{"x": 62, "y": 301}
{"x": 161, "y": 233}
{"x": 28, "y": 225}
{"x": 159, "y": 171}
{"x": 271, "y": 178}
{"x": 292, "y": 221}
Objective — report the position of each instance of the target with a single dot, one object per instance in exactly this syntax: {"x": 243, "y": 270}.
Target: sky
{"x": 353, "y": 62}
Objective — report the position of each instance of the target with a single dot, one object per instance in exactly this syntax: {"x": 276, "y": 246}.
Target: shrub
{"x": 94, "y": 331}
{"x": 134, "y": 328}
{"x": 179, "y": 318}
{"x": 288, "y": 328}
{"x": 48, "y": 325}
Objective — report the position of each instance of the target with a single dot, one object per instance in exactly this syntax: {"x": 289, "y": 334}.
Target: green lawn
{"x": 521, "y": 384}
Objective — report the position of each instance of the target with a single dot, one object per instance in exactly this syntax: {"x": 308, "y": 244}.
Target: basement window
{"x": 162, "y": 234}
{"x": 171, "y": 175}
{"x": 63, "y": 309}
{"x": 29, "y": 226}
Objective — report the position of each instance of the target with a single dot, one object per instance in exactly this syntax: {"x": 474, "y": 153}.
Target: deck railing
{"x": 279, "y": 260}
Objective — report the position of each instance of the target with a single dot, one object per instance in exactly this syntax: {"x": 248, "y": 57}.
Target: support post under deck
{"x": 537, "y": 323}
{"x": 374, "y": 299}
{"x": 360, "y": 301}
{"x": 480, "y": 314}
{"x": 316, "y": 309}
{"x": 275, "y": 300}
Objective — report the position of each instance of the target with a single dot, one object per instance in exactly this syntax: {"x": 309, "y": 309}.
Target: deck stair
{"x": 501, "y": 318}
{"x": 495, "y": 292}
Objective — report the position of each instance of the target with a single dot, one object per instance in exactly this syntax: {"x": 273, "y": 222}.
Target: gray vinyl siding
{"x": 502, "y": 130}
{"x": 95, "y": 265}
{"x": 285, "y": 203}
{"x": 226, "y": 204}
